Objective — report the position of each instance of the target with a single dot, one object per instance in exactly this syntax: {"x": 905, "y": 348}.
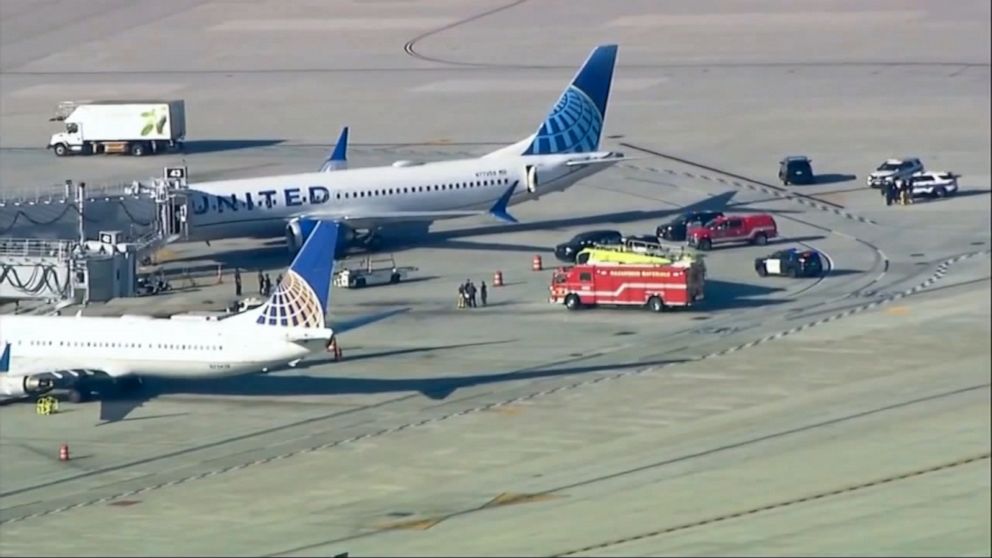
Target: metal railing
{"x": 56, "y": 193}
{"x": 36, "y": 248}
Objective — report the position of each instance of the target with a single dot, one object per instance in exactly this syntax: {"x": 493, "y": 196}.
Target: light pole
{"x": 80, "y": 202}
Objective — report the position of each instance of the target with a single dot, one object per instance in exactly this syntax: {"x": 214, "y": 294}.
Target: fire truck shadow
{"x": 723, "y": 295}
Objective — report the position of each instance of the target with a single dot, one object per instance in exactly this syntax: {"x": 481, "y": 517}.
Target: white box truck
{"x": 135, "y": 127}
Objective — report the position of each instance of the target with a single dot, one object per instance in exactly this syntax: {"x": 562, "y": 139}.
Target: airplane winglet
{"x": 338, "y": 159}
{"x": 499, "y": 211}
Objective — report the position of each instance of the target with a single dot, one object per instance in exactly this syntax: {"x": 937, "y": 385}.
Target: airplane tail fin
{"x": 301, "y": 299}
{"x": 5, "y": 359}
{"x": 575, "y": 123}
{"x": 338, "y": 159}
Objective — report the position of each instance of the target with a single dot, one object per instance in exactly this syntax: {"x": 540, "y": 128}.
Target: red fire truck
{"x": 655, "y": 286}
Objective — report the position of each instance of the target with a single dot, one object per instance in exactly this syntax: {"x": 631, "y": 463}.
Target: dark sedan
{"x": 567, "y": 251}
{"x": 676, "y": 230}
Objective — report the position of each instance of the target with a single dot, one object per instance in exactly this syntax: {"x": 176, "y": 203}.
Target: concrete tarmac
{"x": 843, "y": 414}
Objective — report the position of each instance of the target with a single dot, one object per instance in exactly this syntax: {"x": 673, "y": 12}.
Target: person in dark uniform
{"x": 470, "y": 289}
{"x": 482, "y": 293}
{"x": 890, "y": 192}
{"x": 237, "y": 282}
{"x": 261, "y": 283}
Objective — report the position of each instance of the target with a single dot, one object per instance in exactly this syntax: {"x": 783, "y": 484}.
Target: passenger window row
{"x": 420, "y": 189}
{"x": 116, "y": 345}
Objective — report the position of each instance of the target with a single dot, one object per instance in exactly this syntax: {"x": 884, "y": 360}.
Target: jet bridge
{"x": 131, "y": 222}
{"x": 38, "y": 269}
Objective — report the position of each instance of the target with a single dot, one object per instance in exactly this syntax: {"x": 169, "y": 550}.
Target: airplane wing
{"x": 364, "y": 220}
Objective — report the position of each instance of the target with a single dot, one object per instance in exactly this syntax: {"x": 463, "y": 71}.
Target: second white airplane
{"x": 564, "y": 150}
{"x": 40, "y": 352}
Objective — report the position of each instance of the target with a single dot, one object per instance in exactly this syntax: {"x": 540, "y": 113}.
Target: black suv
{"x": 567, "y": 251}
{"x": 797, "y": 169}
{"x": 676, "y": 230}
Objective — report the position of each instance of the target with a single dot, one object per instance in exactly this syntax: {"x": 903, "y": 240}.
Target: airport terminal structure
{"x": 495, "y": 278}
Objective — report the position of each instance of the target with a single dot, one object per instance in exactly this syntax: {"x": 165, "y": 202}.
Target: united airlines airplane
{"x": 41, "y": 351}
{"x": 564, "y": 150}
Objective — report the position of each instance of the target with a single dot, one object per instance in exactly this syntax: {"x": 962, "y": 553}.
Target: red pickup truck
{"x": 755, "y": 229}
{"x": 654, "y": 286}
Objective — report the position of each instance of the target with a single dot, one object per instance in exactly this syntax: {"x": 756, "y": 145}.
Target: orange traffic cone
{"x": 537, "y": 264}
{"x": 498, "y": 279}
{"x": 64, "y": 452}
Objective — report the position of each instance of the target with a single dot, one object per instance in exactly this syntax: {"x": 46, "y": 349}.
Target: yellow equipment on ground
{"x": 46, "y": 405}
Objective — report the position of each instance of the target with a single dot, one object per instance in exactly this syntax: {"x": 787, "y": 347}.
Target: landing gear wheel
{"x": 394, "y": 278}
{"x": 137, "y": 149}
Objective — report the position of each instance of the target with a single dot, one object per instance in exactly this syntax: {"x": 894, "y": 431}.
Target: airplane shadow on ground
{"x": 843, "y": 272}
{"x": 725, "y": 295}
{"x": 832, "y": 178}
{"x": 213, "y": 146}
{"x": 116, "y": 408}
{"x": 959, "y": 194}
{"x": 773, "y": 243}
{"x": 310, "y": 363}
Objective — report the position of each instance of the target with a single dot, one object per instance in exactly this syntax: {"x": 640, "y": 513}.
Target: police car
{"x": 935, "y": 184}
{"x": 894, "y": 169}
{"x": 792, "y": 262}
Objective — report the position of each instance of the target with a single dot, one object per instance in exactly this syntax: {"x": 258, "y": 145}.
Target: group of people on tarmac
{"x": 897, "y": 191}
{"x": 264, "y": 283}
{"x": 467, "y": 292}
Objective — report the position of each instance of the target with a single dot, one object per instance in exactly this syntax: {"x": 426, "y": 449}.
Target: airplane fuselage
{"x": 262, "y": 206}
{"x": 139, "y": 346}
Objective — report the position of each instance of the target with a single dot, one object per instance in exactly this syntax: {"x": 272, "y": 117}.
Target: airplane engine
{"x": 532, "y": 179}
{"x": 20, "y": 386}
{"x": 299, "y": 229}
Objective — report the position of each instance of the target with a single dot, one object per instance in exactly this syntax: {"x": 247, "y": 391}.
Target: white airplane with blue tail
{"x": 564, "y": 150}
{"x": 41, "y": 353}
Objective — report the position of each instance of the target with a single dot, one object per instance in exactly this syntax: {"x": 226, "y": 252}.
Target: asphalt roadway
{"x": 842, "y": 415}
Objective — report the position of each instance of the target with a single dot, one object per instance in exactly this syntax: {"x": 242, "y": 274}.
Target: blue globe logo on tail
{"x": 294, "y": 304}
{"x": 574, "y": 126}
{"x": 576, "y": 121}
{"x": 301, "y": 299}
